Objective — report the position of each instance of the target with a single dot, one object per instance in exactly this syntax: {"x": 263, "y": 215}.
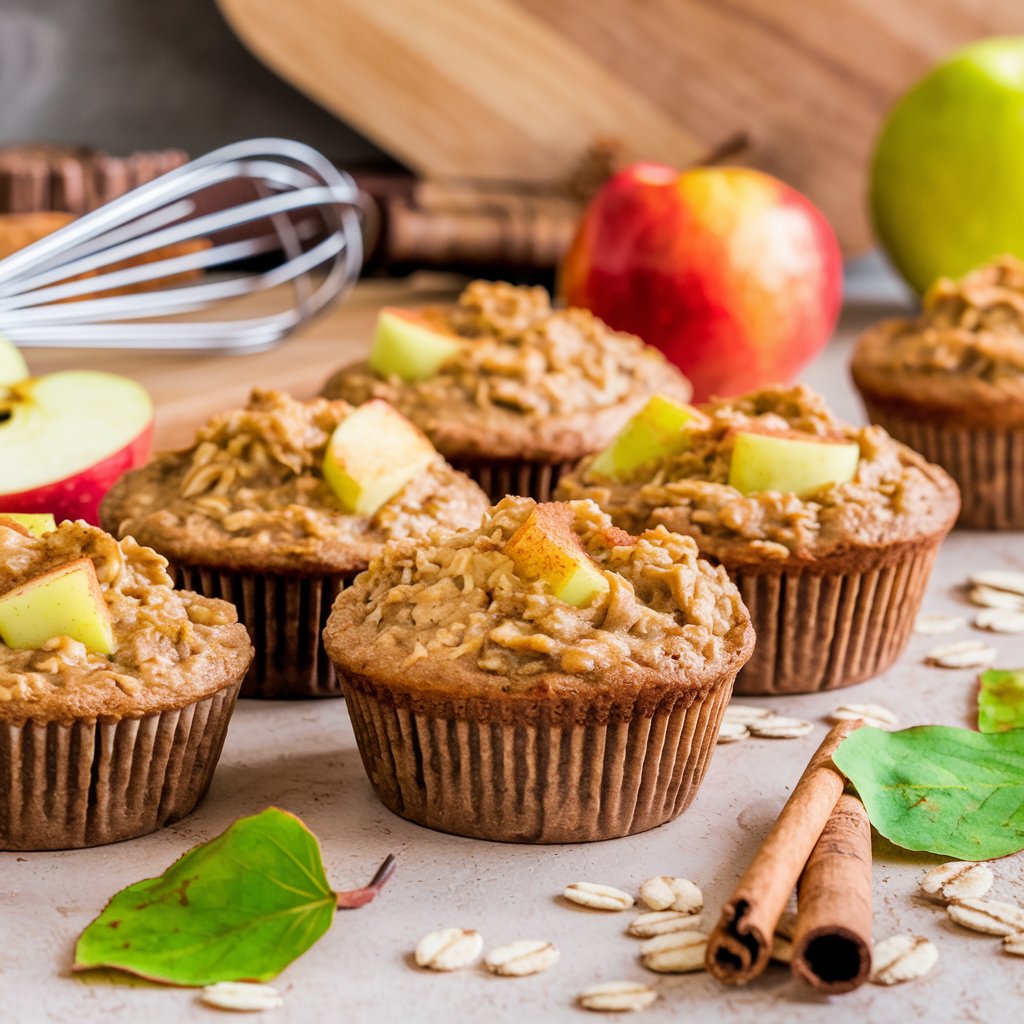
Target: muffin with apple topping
{"x": 278, "y": 506}
{"x": 950, "y": 383}
{"x": 545, "y": 678}
{"x": 115, "y": 689}
{"x": 510, "y": 391}
{"x": 828, "y": 530}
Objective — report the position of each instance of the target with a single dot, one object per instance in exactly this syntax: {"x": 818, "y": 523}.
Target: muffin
{"x": 511, "y": 391}
{"x": 487, "y": 706}
{"x": 833, "y": 567}
{"x": 98, "y": 747}
{"x": 247, "y": 514}
{"x": 950, "y": 383}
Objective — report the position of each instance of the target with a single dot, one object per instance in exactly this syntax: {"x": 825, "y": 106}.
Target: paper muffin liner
{"x": 824, "y": 630}
{"x": 498, "y": 477}
{"x": 285, "y": 617}
{"x": 89, "y": 783}
{"x": 987, "y": 465}
{"x": 545, "y": 771}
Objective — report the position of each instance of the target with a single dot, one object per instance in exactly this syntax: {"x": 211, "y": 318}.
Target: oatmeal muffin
{"x": 527, "y": 390}
{"x": 833, "y": 578}
{"x": 486, "y": 706}
{"x": 950, "y": 383}
{"x": 98, "y": 747}
{"x": 247, "y": 515}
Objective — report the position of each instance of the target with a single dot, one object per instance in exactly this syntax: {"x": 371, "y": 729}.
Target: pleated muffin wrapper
{"x": 498, "y": 477}
{"x": 285, "y": 617}
{"x": 833, "y": 623}
{"x": 539, "y": 770}
{"x": 987, "y": 464}
{"x": 87, "y": 783}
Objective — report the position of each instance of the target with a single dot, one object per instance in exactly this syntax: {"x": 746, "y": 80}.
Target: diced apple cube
{"x": 790, "y": 462}
{"x": 411, "y": 345}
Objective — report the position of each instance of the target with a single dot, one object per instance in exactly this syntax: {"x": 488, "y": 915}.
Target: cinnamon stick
{"x": 740, "y": 945}
{"x": 832, "y": 942}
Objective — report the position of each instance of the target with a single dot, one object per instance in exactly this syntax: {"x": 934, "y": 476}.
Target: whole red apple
{"x": 734, "y": 275}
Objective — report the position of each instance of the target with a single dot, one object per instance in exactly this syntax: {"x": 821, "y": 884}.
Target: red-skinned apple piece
{"x": 734, "y": 275}
{"x": 65, "y": 438}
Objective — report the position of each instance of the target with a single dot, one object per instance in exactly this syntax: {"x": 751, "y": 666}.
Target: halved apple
{"x": 411, "y": 344}
{"x": 35, "y": 524}
{"x": 63, "y": 602}
{"x": 547, "y": 548}
{"x": 372, "y": 455}
{"x": 66, "y": 437}
{"x": 790, "y": 462}
{"x": 658, "y": 430}
{"x": 13, "y": 367}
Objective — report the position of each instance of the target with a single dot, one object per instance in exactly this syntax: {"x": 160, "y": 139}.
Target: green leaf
{"x": 953, "y": 792}
{"x": 238, "y": 908}
{"x": 1001, "y": 700}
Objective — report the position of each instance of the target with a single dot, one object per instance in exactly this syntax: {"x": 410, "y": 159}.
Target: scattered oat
{"x": 934, "y": 625}
{"x": 778, "y": 727}
{"x": 1014, "y": 944}
{"x": 957, "y": 880}
{"x": 902, "y": 958}
{"x": 746, "y": 713}
{"x": 989, "y": 597}
{"x": 518, "y": 959}
{"x": 1000, "y": 579}
{"x": 597, "y": 897}
{"x": 732, "y": 732}
{"x": 870, "y": 714}
{"x": 617, "y": 997}
{"x": 449, "y": 949}
{"x": 1000, "y": 620}
{"x": 988, "y": 916}
{"x": 665, "y": 892}
{"x": 243, "y": 996}
{"x": 962, "y": 654}
{"x": 675, "y": 953}
{"x": 661, "y": 922}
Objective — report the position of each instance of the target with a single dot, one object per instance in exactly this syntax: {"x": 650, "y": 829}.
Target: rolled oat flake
{"x": 732, "y": 732}
{"x": 666, "y": 892}
{"x": 675, "y": 953}
{"x": 617, "y": 997}
{"x": 519, "y": 959}
{"x": 988, "y": 916}
{"x": 779, "y": 727}
{"x": 661, "y": 922}
{"x": 449, "y": 949}
{"x": 241, "y": 996}
{"x": 869, "y": 714}
{"x": 597, "y": 897}
{"x": 902, "y": 958}
{"x": 962, "y": 654}
{"x": 957, "y": 880}
{"x": 934, "y": 624}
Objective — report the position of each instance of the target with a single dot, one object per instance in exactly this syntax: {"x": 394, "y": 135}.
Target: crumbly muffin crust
{"x": 963, "y": 354}
{"x": 529, "y": 381}
{"x": 895, "y": 496}
{"x": 454, "y": 615}
{"x": 172, "y": 648}
{"x": 250, "y": 495}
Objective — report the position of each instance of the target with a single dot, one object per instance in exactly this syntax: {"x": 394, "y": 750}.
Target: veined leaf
{"x": 1001, "y": 700}
{"x": 240, "y": 907}
{"x": 948, "y": 791}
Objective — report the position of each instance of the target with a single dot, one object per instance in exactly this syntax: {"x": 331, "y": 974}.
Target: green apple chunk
{"x": 63, "y": 602}
{"x": 13, "y": 368}
{"x": 372, "y": 455}
{"x": 411, "y": 345}
{"x": 35, "y": 523}
{"x": 790, "y": 463}
{"x": 658, "y": 430}
{"x": 547, "y": 548}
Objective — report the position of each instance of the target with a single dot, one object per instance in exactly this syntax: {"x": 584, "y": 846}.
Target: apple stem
{"x": 729, "y": 147}
{"x": 360, "y": 897}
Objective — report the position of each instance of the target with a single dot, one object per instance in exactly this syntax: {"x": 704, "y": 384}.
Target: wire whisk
{"x": 176, "y": 258}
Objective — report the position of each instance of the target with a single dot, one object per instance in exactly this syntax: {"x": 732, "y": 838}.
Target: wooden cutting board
{"x": 519, "y": 89}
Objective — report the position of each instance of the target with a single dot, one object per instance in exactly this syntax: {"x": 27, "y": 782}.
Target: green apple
{"x": 790, "y": 463}
{"x": 546, "y": 547}
{"x": 658, "y": 430}
{"x": 34, "y": 523}
{"x": 372, "y": 454}
{"x": 63, "y": 602}
{"x": 12, "y": 364}
{"x": 410, "y": 344}
{"x": 947, "y": 178}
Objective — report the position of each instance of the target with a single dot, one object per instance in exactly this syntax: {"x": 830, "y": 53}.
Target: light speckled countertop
{"x": 303, "y": 757}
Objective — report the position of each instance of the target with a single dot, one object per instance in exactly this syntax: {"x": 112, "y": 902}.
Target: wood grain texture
{"x": 519, "y": 88}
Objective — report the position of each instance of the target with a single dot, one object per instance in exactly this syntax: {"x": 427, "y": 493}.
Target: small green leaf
{"x": 1001, "y": 700}
{"x": 238, "y": 908}
{"x": 948, "y": 791}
